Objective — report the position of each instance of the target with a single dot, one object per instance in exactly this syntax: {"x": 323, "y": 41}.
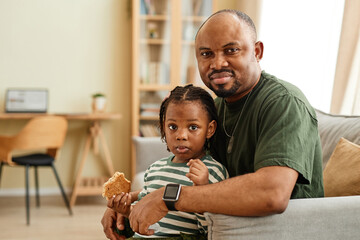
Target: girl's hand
{"x": 121, "y": 204}
{"x": 198, "y": 172}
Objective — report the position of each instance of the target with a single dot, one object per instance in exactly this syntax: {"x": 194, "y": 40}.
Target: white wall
{"x": 69, "y": 47}
{"x": 73, "y": 48}
{"x": 301, "y": 39}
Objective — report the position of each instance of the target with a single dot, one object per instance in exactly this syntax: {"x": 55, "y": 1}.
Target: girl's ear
{"x": 211, "y": 129}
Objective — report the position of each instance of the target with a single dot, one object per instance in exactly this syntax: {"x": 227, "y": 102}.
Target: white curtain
{"x": 351, "y": 102}
{"x": 346, "y": 91}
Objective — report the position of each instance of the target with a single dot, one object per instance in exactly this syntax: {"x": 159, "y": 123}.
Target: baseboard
{"x": 13, "y": 192}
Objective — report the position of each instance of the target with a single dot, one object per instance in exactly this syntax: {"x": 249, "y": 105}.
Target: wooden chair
{"x": 40, "y": 133}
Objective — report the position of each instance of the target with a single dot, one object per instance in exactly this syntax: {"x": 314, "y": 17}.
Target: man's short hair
{"x": 242, "y": 16}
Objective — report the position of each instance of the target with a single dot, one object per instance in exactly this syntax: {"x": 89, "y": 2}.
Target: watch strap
{"x": 170, "y": 205}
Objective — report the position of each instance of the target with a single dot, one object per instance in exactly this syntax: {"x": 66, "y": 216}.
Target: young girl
{"x": 188, "y": 121}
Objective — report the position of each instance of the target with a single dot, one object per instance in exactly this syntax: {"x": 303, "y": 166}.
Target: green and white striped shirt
{"x": 165, "y": 171}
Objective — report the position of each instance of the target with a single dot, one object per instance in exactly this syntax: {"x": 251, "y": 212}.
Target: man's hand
{"x": 109, "y": 220}
{"x": 198, "y": 172}
{"x": 147, "y": 211}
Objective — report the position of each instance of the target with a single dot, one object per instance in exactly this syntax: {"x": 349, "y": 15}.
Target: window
{"x": 301, "y": 40}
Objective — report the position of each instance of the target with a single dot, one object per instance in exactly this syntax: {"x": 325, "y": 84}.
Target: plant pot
{"x": 99, "y": 104}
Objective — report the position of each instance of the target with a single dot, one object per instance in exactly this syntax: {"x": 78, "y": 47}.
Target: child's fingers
{"x": 193, "y": 161}
{"x": 195, "y": 171}
{"x": 128, "y": 200}
{"x": 196, "y": 163}
{"x": 190, "y": 176}
{"x": 113, "y": 201}
{"x": 110, "y": 202}
{"x": 198, "y": 168}
{"x": 125, "y": 201}
{"x": 122, "y": 202}
{"x": 117, "y": 201}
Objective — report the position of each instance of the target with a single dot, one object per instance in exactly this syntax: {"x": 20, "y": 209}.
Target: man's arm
{"x": 265, "y": 192}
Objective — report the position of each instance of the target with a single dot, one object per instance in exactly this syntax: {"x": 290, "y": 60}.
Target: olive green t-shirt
{"x": 277, "y": 127}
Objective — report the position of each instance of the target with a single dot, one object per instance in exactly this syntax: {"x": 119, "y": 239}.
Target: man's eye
{"x": 231, "y": 50}
{"x": 205, "y": 54}
{"x": 172, "y": 127}
{"x": 193, "y": 127}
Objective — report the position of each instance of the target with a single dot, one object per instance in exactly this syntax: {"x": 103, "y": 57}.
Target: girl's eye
{"x": 193, "y": 127}
{"x": 172, "y": 127}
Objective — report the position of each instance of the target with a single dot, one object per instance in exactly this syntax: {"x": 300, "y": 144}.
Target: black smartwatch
{"x": 171, "y": 195}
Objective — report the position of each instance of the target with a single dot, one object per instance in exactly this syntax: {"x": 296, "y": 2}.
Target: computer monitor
{"x": 26, "y": 100}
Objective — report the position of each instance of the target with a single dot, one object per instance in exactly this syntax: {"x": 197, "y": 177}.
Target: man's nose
{"x": 218, "y": 62}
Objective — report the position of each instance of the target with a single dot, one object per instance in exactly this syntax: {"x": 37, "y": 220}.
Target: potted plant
{"x": 99, "y": 102}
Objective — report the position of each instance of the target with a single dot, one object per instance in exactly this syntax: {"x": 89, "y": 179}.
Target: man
{"x": 272, "y": 149}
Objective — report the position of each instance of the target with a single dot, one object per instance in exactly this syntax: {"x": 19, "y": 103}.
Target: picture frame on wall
{"x": 26, "y": 101}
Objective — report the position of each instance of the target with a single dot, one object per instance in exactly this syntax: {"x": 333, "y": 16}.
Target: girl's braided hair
{"x": 189, "y": 93}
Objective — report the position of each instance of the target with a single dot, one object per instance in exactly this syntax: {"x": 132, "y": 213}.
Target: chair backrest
{"x": 42, "y": 132}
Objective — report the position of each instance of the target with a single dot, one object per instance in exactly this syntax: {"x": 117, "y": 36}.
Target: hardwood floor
{"x": 52, "y": 219}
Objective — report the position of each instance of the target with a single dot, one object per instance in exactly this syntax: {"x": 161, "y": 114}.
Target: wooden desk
{"x": 89, "y": 185}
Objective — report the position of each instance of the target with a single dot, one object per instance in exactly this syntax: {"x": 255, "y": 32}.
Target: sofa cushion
{"x": 148, "y": 150}
{"x": 304, "y": 219}
{"x": 333, "y": 127}
{"x": 342, "y": 172}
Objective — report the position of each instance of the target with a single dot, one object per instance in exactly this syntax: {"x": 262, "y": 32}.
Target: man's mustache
{"x": 221, "y": 71}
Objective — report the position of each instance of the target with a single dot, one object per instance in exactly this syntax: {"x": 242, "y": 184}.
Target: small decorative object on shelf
{"x": 153, "y": 31}
{"x": 98, "y": 103}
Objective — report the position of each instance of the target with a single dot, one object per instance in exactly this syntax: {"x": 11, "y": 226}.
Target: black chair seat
{"x": 34, "y": 160}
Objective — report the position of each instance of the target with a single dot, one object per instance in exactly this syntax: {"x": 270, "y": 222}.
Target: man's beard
{"x": 222, "y": 92}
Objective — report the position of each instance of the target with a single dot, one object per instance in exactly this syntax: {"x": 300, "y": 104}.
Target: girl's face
{"x": 187, "y": 126}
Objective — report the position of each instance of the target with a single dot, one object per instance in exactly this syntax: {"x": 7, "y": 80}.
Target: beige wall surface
{"x": 73, "y": 49}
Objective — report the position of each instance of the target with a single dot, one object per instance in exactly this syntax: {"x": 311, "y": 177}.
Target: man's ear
{"x": 259, "y": 50}
{"x": 211, "y": 129}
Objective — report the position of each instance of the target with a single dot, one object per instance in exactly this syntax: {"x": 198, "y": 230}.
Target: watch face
{"x": 171, "y": 192}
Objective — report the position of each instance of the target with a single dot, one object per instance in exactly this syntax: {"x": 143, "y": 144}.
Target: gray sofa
{"x": 320, "y": 218}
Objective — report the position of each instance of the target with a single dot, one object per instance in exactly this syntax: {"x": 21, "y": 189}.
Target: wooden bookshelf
{"x": 163, "y": 54}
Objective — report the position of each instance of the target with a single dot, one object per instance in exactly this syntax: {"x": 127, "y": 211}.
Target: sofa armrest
{"x": 304, "y": 219}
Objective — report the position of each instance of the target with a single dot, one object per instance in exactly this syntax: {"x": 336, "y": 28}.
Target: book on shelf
{"x": 149, "y": 112}
{"x": 143, "y": 9}
{"x": 154, "y": 73}
{"x": 149, "y": 109}
{"x": 149, "y": 130}
{"x": 147, "y": 7}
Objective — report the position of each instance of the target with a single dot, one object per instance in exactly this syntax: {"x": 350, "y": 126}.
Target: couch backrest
{"x": 333, "y": 127}
{"x": 148, "y": 150}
